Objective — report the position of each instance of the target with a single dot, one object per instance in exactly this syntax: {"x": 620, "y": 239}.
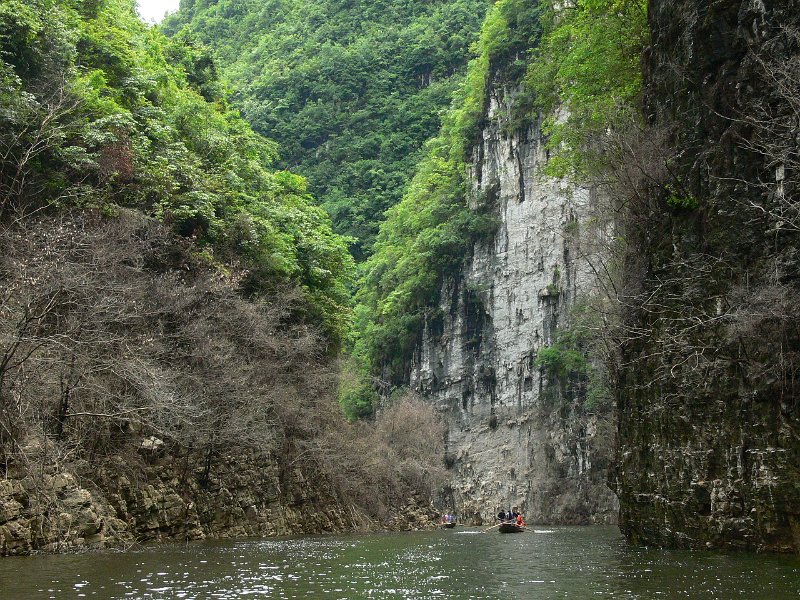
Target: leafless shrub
{"x": 33, "y": 129}
{"x": 771, "y": 130}
{"x": 633, "y": 176}
{"x": 376, "y": 467}
{"x": 111, "y": 332}
{"x": 94, "y": 344}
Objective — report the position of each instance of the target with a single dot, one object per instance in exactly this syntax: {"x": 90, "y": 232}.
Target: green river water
{"x": 557, "y": 562}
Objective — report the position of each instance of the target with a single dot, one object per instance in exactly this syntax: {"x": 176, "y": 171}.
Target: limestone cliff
{"x": 120, "y": 505}
{"x": 152, "y": 497}
{"x": 709, "y": 418}
{"x": 517, "y": 435}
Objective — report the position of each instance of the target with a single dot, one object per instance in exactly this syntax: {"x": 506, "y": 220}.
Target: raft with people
{"x": 510, "y": 528}
{"x": 510, "y": 522}
{"x": 448, "y": 521}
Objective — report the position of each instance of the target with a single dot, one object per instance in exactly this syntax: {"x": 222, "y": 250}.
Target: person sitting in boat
{"x": 520, "y": 520}
{"x": 451, "y": 518}
{"x": 501, "y": 516}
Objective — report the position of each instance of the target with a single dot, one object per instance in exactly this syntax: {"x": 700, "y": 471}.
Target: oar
{"x": 492, "y": 527}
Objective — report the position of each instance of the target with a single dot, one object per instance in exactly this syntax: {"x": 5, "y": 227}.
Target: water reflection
{"x": 568, "y": 562}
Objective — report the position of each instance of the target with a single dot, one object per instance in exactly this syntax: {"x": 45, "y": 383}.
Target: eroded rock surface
{"x": 709, "y": 417}
{"x": 120, "y": 505}
{"x": 516, "y": 435}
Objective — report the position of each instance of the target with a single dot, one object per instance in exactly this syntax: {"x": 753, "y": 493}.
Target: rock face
{"x": 517, "y": 436}
{"x": 158, "y": 501}
{"x": 53, "y": 513}
{"x": 120, "y": 505}
{"x": 709, "y": 417}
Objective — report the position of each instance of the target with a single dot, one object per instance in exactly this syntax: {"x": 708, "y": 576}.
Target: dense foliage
{"x": 588, "y": 66}
{"x": 350, "y": 90}
{"x": 99, "y": 110}
{"x": 160, "y": 279}
{"x": 427, "y": 236}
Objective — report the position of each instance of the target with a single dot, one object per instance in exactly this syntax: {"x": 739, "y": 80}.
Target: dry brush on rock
{"x": 130, "y": 360}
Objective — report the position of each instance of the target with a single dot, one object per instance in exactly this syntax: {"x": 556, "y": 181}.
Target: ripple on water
{"x": 563, "y": 563}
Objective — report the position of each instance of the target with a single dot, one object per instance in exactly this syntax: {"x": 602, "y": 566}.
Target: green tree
{"x": 589, "y": 65}
{"x": 99, "y": 110}
{"x": 351, "y": 91}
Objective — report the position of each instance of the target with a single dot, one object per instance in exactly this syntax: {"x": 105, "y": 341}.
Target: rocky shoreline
{"x": 61, "y": 511}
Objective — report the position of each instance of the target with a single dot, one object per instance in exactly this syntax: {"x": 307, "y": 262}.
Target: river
{"x": 556, "y": 562}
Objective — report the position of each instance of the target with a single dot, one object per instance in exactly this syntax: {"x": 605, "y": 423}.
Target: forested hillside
{"x": 350, "y": 91}
{"x": 170, "y": 306}
{"x": 100, "y": 111}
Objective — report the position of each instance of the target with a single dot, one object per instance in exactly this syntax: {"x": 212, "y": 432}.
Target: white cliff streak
{"x": 514, "y": 440}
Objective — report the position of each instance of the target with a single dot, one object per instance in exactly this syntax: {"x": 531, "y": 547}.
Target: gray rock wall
{"x": 120, "y": 504}
{"x": 516, "y": 436}
{"x": 709, "y": 419}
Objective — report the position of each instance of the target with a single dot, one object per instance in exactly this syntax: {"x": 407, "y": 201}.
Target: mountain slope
{"x": 350, "y": 91}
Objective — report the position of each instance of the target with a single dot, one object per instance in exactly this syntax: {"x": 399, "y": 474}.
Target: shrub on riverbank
{"x": 122, "y": 345}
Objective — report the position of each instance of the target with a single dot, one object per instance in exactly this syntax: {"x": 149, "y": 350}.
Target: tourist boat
{"x": 510, "y": 528}
{"x": 447, "y": 525}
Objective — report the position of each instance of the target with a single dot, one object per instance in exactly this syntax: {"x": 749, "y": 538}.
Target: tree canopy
{"x": 349, "y": 90}
{"x": 99, "y": 110}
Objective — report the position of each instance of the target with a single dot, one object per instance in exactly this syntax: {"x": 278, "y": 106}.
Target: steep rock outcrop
{"x": 159, "y": 501}
{"x": 517, "y": 435}
{"x": 709, "y": 417}
{"x": 156, "y": 499}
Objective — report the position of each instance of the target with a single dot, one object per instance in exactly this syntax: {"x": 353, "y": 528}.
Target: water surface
{"x": 559, "y": 562}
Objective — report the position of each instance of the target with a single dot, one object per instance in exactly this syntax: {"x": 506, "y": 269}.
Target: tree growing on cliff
{"x": 102, "y": 334}
{"x": 586, "y": 76}
{"x": 771, "y": 129}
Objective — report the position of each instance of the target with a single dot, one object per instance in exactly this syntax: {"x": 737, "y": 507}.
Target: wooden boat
{"x": 447, "y": 525}
{"x": 510, "y": 528}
